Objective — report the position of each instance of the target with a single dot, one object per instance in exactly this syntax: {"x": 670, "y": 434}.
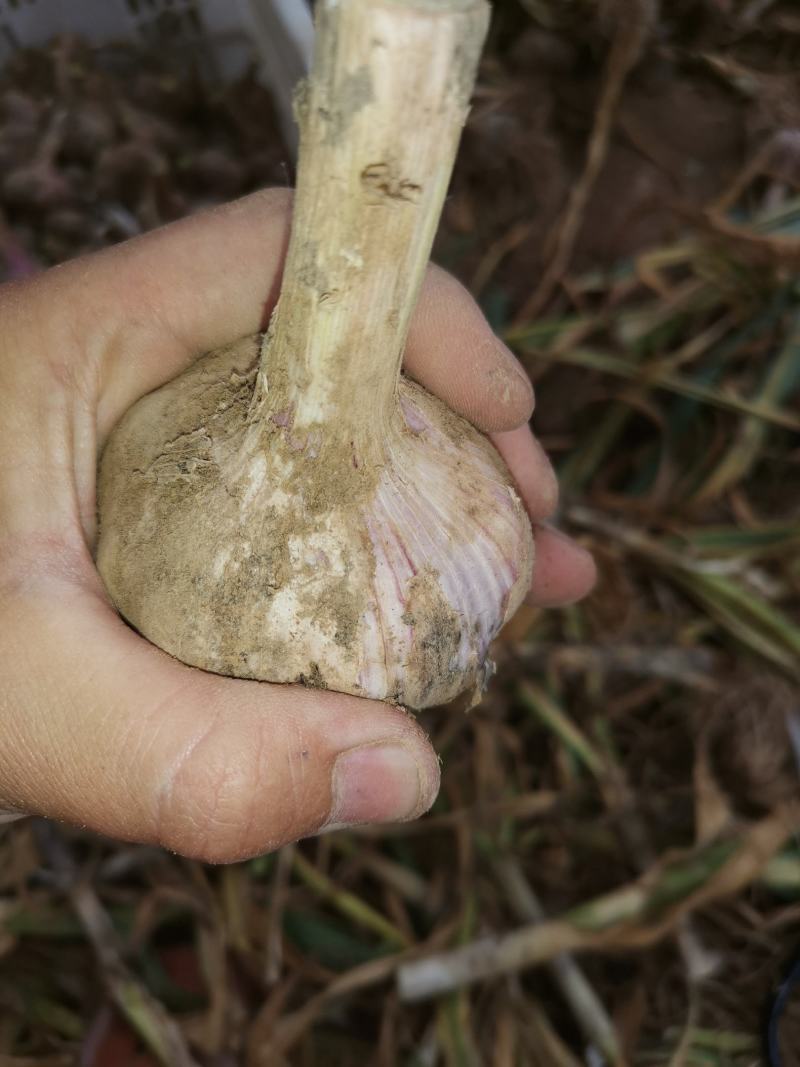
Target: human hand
{"x": 97, "y": 726}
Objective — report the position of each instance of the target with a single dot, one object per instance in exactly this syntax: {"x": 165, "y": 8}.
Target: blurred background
{"x": 615, "y": 826}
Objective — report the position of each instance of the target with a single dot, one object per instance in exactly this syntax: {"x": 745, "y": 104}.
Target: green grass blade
{"x": 725, "y": 400}
{"x": 780, "y": 382}
{"x": 348, "y": 904}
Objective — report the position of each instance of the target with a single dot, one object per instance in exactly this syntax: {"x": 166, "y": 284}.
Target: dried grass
{"x": 622, "y": 807}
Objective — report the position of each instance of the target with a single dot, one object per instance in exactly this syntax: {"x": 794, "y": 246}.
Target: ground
{"x": 625, "y": 208}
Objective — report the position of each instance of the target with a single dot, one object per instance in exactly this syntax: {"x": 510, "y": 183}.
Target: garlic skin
{"x": 294, "y": 510}
{"x": 234, "y": 543}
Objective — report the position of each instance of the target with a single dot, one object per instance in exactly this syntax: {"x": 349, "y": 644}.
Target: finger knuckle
{"x": 229, "y": 799}
{"x": 209, "y": 801}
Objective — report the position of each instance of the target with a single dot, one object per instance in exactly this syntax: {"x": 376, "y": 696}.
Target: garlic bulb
{"x": 292, "y": 509}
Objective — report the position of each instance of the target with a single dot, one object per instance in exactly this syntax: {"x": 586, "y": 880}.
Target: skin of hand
{"x": 98, "y": 727}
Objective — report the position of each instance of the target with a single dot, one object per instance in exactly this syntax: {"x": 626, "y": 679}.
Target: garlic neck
{"x": 377, "y": 144}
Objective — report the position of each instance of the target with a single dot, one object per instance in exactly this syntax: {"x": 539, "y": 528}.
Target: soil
{"x": 686, "y": 698}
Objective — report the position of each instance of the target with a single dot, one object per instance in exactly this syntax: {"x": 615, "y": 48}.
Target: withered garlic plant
{"x": 292, "y": 508}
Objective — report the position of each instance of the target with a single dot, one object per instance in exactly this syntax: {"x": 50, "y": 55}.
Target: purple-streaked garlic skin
{"x": 215, "y": 547}
{"x": 302, "y": 513}
{"x": 440, "y": 509}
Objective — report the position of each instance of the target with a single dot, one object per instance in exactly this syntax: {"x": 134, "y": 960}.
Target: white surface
{"x": 284, "y": 34}
{"x": 228, "y": 31}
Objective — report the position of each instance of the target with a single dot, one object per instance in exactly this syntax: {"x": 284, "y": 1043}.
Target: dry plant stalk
{"x": 296, "y": 510}
{"x": 633, "y": 916}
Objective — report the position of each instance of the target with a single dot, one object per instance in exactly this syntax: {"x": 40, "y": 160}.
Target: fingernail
{"x": 508, "y": 381}
{"x": 517, "y": 368}
{"x": 562, "y": 535}
{"x": 572, "y": 583}
{"x": 379, "y": 783}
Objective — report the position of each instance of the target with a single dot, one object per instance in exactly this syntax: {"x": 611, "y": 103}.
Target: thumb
{"x": 99, "y": 728}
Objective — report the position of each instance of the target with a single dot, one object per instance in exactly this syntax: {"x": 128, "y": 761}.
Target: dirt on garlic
{"x": 226, "y": 543}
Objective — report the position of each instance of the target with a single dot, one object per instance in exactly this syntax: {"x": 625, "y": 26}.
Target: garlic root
{"x": 292, "y": 508}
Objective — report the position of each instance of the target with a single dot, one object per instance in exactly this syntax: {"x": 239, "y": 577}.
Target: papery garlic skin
{"x": 302, "y": 513}
{"x": 243, "y": 547}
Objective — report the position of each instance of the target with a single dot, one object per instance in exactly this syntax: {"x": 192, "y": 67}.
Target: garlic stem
{"x": 338, "y": 527}
{"x": 380, "y": 122}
